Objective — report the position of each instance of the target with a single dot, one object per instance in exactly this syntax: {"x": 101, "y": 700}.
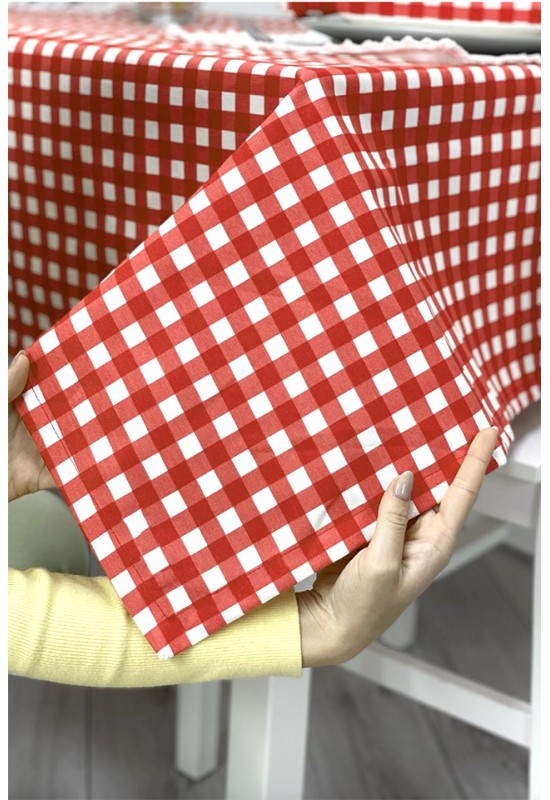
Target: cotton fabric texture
{"x": 351, "y": 294}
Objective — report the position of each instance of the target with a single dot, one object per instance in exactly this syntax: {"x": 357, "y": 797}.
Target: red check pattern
{"x": 352, "y": 293}
{"x": 468, "y": 10}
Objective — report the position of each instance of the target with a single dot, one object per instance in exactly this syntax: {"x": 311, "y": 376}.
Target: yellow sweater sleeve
{"x": 75, "y": 630}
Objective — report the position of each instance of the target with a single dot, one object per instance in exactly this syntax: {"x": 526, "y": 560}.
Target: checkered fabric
{"x": 504, "y": 11}
{"x": 353, "y": 292}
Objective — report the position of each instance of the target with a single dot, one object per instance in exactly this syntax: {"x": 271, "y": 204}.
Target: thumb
{"x": 387, "y": 542}
{"x": 18, "y": 373}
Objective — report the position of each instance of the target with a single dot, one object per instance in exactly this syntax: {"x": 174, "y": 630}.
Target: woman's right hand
{"x": 27, "y": 471}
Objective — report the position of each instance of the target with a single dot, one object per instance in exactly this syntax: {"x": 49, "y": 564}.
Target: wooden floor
{"x": 364, "y": 743}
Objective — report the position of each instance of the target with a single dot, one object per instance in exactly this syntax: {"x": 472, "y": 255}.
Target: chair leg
{"x": 198, "y": 712}
{"x": 267, "y": 738}
{"x": 402, "y": 634}
{"x": 535, "y": 789}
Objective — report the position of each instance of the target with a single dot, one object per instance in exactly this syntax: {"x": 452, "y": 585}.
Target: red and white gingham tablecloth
{"x": 337, "y": 281}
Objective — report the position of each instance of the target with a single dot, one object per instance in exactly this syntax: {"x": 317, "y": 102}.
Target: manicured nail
{"x": 17, "y": 355}
{"x": 403, "y": 486}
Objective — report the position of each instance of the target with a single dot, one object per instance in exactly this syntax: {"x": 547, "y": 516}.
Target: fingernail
{"x": 17, "y": 355}
{"x": 403, "y": 486}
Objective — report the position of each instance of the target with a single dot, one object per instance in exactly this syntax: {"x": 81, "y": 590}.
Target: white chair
{"x": 268, "y": 716}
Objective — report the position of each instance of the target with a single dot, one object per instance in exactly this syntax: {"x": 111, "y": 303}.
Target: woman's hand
{"x": 355, "y": 600}
{"x": 26, "y": 469}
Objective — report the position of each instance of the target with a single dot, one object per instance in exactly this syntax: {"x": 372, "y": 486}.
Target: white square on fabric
{"x": 229, "y": 520}
{"x": 311, "y": 326}
{"x": 145, "y": 621}
{"x": 252, "y": 216}
{"x": 182, "y": 256}
{"x": 155, "y": 560}
{"x": 189, "y": 445}
{"x": 117, "y": 391}
{"x": 418, "y": 363}
{"x": 455, "y": 438}
{"x": 209, "y": 483}
{"x": 384, "y": 382}
{"x": 301, "y": 141}
{"x": 302, "y": 572}
{"x": 135, "y": 428}
{"x": 119, "y": 486}
{"x": 423, "y": 457}
{"x": 84, "y": 412}
{"x": 194, "y": 541}
{"x": 244, "y": 462}
{"x": 279, "y": 442}
{"x": 264, "y": 500}
{"x": 214, "y": 579}
{"x": 276, "y": 347}
{"x": 330, "y": 364}
{"x": 232, "y": 613}
{"x": 257, "y": 310}
{"x": 123, "y": 583}
{"x": 346, "y": 306}
{"x": 287, "y": 197}
{"x": 267, "y": 159}
{"x": 380, "y": 288}
{"x": 260, "y": 405}
{"x": 174, "y": 504}
{"x": 249, "y": 558}
{"x": 267, "y": 593}
{"x": 341, "y": 214}
{"x": 271, "y": 253}
{"x": 321, "y": 177}
{"x": 337, "y": 551}
{"x": 436, "y": 400}
{"x": 315, "y": 422}
{"x": 133, "y": 334}
{"x": 299, "y": 480}
{"x": 306, "y": 233}
{"x": 206, "y": 387}
{"x": 66, "y": 471}
{"x": 152, "y": 371}
{"x": 222, "y": 330}
{"x": 167, "y": 314}
{"x": 101, "y": 449}
{"x": 99, "y": 355}
{"x": 365, "y": 344}
{"x": 225, "y": 425}
{"x": 80, "y": 320}
{"x": 186, "y": 350}
{"x": 197, "y": 634}
{"x": 202, "y": 293}
{"x": 66, "y": 376}
{"x": 350, "y": 401}
{"x": 154, "y": 466}
{"x": 399, "y": 325}
{"x": 369, "y": 439}
{"x": 217, "y": 236}
{"x": 136, "y": 523}
{"x": 284, "y": 538}
{"x": 334, "y": 460}
{"x": 84, "y": 508}
{"x": 232, "y": 180}
{"x": 103, "y": 546}
{"x": 241, "y": 367}
{"x": 291, "y": 289}
{"x": 237, "y": 273}
{"x": 354, "y": 497}
{"x": 295, "y": 384}
{"x": 326, "y": 270}
{"x": 178, "y": 598}
{"x": 404, "y": 419}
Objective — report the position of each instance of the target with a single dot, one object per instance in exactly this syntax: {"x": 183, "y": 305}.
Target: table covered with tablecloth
{"x": 335, "y": 280}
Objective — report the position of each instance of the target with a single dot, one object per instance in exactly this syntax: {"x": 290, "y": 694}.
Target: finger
{"x": 18, "y": 373}
{"x": 387, "y": 542}
{"x": 463, "y": 491}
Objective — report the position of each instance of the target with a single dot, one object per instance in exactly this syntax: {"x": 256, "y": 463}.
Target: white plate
{"x": 475, "y": 37}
